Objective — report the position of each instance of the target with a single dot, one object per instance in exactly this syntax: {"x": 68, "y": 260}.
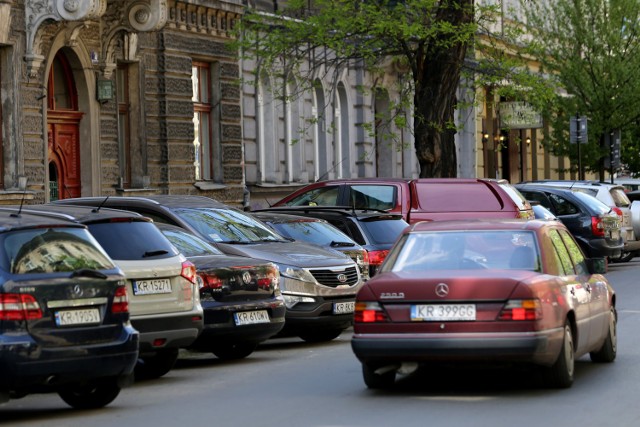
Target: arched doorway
{"x": 63, "y": 131}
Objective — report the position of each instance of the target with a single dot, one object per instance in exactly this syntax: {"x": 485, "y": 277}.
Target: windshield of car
{"x": 318, "y": 232}
{"x": 422, "y": 251}
{"x": 189, "y": 244}
{"x": 132, "y": 240}
{"x": 49, "y": 250}
{"x": 227, "y": 225}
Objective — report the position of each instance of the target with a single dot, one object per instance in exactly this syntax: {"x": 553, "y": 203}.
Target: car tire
{"x": 157, "y": 365}
{"x": 561, "y": 373}
{"x": 91, "y": 396}
{"x": 321, "y": 336}
{"x": 607, "y": 353}
{"x": 378, "y": 381}
{"x": 234, "y": 351}
{"x": 626, "y": 257}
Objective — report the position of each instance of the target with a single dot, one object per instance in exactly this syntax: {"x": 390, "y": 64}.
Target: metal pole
{"x": 578, "y": 140}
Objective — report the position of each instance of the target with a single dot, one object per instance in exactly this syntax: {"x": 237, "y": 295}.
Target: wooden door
{"x": 64, "y": 153}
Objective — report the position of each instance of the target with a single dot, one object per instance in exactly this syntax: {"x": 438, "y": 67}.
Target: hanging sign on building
{"x": 519, "y": 115}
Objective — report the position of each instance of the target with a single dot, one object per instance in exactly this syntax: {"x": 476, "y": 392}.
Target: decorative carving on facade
{"x": 129, "y": 16}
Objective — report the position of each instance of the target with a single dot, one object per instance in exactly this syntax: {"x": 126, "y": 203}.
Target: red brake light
{"x": 189, "y": 271}
{"x": 597, "y": 227}
{"x": 369, "y": 312}
{"x": 527, "y": 309}
{"x": 120, "y": 301}
{"x": 618, "y": 212}
{"x": 376, "y": 257}
{"x": 19, "y": 307}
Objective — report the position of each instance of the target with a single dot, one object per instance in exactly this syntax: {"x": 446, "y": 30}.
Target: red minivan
{"x": 423, "y": 199}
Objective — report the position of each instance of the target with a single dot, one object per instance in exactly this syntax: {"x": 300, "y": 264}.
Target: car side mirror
{"x": 597, "y": 265}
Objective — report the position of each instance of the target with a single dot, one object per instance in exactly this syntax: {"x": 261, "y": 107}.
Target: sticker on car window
{"x": 215, "y": 237}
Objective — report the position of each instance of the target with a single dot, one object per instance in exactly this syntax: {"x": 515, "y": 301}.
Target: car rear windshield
{"x": 189, "y": 244}
{"x": 382, "y": 231}
{"x": 620, "y": 197}
{"x": 50, "y": 250}
{"x": 594, "y": 204}
{"x": 134, "y": 240}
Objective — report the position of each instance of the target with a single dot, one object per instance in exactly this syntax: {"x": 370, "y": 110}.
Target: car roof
{"x": 15, "y": 219}
{"x": 478, "y": 224}
{"x": 82, "y": 214}
{"x": 574, "y": 183}
{"x": 169, "y": 201}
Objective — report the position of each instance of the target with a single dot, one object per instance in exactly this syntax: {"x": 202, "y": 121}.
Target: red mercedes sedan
{"x": 497, "y": 291}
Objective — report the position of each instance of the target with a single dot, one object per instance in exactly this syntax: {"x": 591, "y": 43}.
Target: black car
{"x": 318, "y": 285}
{"x": 64, "y": 313}
{"x": 319, "y": 232}
{"x": 374, "y": 230}
{"x": 594, "y": 225}
{"x": 240, "y": 296}
{"x": 161, "y": 282}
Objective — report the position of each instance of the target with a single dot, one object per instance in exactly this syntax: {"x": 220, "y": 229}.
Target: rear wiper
{"x": 335, "y": 244}
{"x": 155, "y": 253}
{"x": 237, "y": 242}
{"x": 87, "y": 272}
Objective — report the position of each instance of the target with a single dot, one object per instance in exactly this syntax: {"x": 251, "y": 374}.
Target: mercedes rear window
{"x": 51, "y": 250}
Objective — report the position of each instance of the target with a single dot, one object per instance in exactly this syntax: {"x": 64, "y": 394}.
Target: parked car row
{"x": 129, "y": 287}
{"x": 123, "y": 283}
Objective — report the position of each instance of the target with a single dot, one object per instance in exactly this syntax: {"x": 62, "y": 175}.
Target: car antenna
{"x": 24, "y": 194}
{"x": 101, "y": 204}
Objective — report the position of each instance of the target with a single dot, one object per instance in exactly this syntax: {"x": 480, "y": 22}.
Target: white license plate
{"x": 153, "y": 286}
{"x": 77, "y": 317}
{"x": 344, "y": 307}
{"x": 251, "y": 317}
{"x": 443, "y": 312}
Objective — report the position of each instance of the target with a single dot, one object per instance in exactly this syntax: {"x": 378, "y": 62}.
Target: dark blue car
{"x": 64, "y": 315}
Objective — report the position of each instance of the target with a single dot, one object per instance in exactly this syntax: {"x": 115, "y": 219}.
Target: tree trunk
{"x": 436, "y": 84}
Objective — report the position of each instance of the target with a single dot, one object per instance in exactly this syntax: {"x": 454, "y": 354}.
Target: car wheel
{"x": 561, "y": 373}
{"x": 380, "y": 380}
{"x": 234, "y": 351}
{"x": 321, "y": 336}
{"x": 607, "y": 353}
{"x": 91, "y": 396}
{"x": 157, "y": 365}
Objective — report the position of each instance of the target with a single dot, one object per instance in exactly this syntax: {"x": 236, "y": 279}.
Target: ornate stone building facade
{"x": 98, "y": 96}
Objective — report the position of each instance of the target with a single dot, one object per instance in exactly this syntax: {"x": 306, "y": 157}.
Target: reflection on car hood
{"x": 298, "y": 254}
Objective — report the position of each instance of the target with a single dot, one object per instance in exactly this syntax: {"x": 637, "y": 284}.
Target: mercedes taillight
{"x": 17, "y": 307}
{"x": 369, "y": 312}
{"x": 120, "y": 301}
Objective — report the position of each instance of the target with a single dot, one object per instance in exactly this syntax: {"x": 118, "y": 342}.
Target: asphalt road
{"x": 290, "y": 383}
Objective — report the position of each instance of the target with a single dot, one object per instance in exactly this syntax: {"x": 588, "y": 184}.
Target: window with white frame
{"x": 202, "y": 120}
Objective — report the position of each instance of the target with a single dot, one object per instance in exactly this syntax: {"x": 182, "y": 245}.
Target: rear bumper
{"x": 540, "y": 347}
{"x": 27, "y": 366}
{"x": 600, "y": 248}
{"x": 170, "y": 330}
